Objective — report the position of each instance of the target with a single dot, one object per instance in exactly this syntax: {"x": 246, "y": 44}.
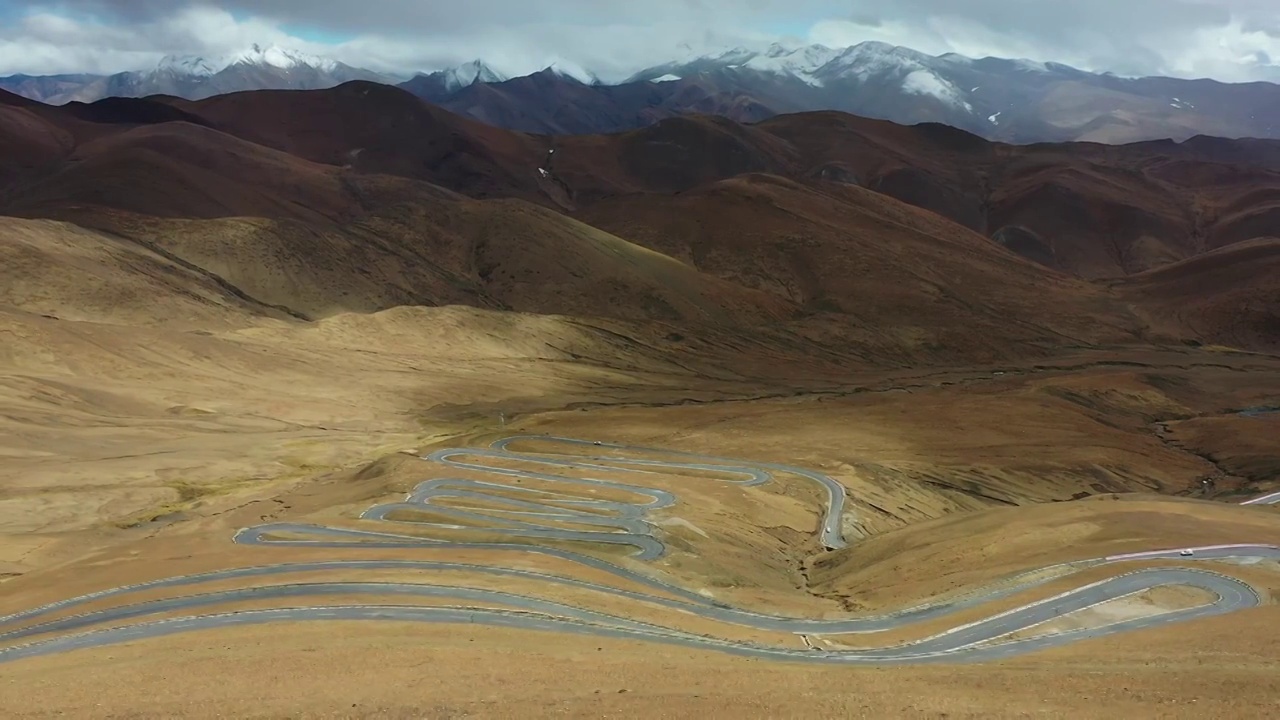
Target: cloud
{"x": 1228, "y": 39}
{"x": 1214, "y": 38}
{"x": 44, "y": 42}
{"x": 108, "y": 36}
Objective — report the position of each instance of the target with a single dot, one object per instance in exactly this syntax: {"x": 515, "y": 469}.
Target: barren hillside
{"x": 287, "y": 356}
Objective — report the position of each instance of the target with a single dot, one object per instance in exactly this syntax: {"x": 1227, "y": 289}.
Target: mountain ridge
{"x": 1010, "y": 100}
{"x": 195, "y": 77}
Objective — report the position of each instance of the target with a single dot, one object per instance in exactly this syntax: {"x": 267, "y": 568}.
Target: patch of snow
{"x": 925, "y": 82}
{"x": 681, "y": 522}
{"x": 976, "y": 89}
{"x": 666, "y": 78}
{"x": 995, "y": 119}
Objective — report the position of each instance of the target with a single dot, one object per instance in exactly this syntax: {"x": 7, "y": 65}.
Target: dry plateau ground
{"x": 263, "y": 310}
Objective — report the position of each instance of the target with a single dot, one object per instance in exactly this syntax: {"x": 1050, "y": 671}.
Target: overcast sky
{"x": 1232, "y": 40}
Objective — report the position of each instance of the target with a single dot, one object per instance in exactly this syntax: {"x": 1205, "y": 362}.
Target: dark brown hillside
{"x": 1093, "y": 210}
{"x": 295, "y": 238}
{"x": 1230, "y": 296}
{"x": 1098, "y": 221}
{"x": 15, "y": 100}
{"x": 380, "y": 129}
{"x": 179, "y": 170}
{"x": 796, "y": 214}
{"x": 907, "y": 280}
{"x": 29, "y": 144}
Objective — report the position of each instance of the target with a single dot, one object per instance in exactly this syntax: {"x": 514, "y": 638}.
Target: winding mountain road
{"x": 526, "y": 514}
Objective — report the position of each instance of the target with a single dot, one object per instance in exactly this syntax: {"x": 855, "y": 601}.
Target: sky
{"x": 1230, "y": 40}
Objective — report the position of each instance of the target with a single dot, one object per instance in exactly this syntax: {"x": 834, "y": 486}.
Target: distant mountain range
{"x": 1008, "y": 100}
{"x": 257, "y": 68}
{"x": 999, "y": 99}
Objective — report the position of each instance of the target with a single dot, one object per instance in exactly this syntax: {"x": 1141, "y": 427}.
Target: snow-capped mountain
{"x": 442, "y": 83}
{"x": 871, "y": 78}
{"x": 459, "y": 83}
{"x": 189, "y": 65}
{"x": 283, "y": 58}
{"x": 255, "y": 55}
{"x": 801, "y": 63}
{"x": 1006, "y": 99}
{"x": 877, "y": 63}
{"x": 258, "y": 67}
{"x": 573, "y": 71}
{"x": 1002, "y": 99}
{"x": 810, "y": 63}
{"x": 466, "y": 74}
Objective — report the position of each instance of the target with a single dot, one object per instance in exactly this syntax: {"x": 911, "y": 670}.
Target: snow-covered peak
{"x": 467, "y": 74}
{"x": 812, "y": 64}
{"x": 189, "y": 65}
{"x": 736, "y": 56}
{"x": 573, "y": 71}
{"x": 801, "y": 62}
{"x": 278, "y": 57}
{"x": 255, "y": 55}
{"x": 870, "y": 58}
{"x": 1030, "y": 65}
{"x": 820, "y": 66}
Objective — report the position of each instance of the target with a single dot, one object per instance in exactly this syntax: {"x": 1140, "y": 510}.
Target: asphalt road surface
{"x": 504, "y": 508}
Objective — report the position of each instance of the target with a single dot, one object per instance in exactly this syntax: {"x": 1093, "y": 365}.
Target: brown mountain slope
{"x": 1088, "y": 219}
{"x": 1230, "y": 296}
{"x": 671, "y": 156}
{"x": 505, "y": 255}
{"x": 379, "y": 129}
{"x": 547, "y": 103}
{"x": 15, "y": 100}
{"x": 184, "y": 170}
{"x": 1091, "y": 210}
{"x": 66, "y": 272}
{"x": 775, "y": 244}
{"x": 29, "y": 144}
{"x": 907, "y": 281}
{"x": 284, "y": 234}
{"x": 1231, "y": 202}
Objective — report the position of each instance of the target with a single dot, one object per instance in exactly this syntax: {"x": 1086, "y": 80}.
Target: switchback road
{"x": 524, "y": 515}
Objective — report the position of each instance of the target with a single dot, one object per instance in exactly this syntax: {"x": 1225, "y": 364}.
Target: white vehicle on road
{"x": 1187, "y": 552}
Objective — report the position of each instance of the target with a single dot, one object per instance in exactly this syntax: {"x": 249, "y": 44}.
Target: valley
{"x": 342, "y": 392}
